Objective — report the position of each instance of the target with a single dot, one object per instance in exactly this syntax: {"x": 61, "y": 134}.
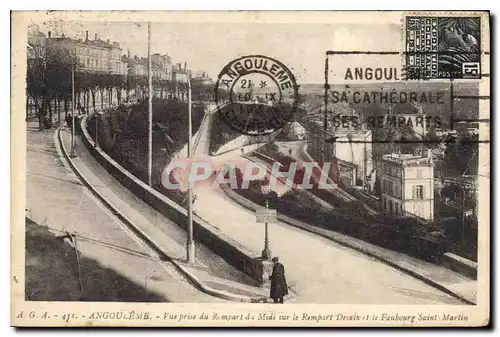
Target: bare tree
{"x": 48, "y": 78}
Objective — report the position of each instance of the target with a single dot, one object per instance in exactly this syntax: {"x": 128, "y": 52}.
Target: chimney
{"x": 50, "y": 34}
{"x": 107, "y": 41}
{"x": 95, "y": 36}
{"x": 86, "y": 35}
{"x": 185, "y": 65}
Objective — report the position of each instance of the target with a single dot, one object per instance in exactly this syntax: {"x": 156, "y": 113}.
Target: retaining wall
{"x": 459, "y": 264}
{"x": 203, "y": 232}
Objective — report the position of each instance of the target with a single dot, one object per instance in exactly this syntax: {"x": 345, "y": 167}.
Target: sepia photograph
{"x": 250, "y": 168}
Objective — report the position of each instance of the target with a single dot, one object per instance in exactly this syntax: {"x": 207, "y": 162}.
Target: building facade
{"x": 355, "y": 147}
{"x": 92, "y": 55}
{"x": 137, "y": 66}
{"x": 407, "y": 185}
{"x": 346, "y": 145}
{"x": 180, "y": 74}
{"x": 36, "y": 45}
{"x": 161, "y": 65}
{"x": 410, "y": 115}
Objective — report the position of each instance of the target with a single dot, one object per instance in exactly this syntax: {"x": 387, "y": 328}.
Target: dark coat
{"x": 278, "y": 281}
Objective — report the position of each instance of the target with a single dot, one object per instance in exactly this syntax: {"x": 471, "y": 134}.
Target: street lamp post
{"x": 266, "y": 253}
{"x": 150, "y": 112}
{"x": 73, "y": 112}
{"x": 190, "y": 249}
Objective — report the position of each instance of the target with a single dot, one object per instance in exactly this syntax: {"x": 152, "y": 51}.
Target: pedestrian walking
{"x": 279, "y": 289}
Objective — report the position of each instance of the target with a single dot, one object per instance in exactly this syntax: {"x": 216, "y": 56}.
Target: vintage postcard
{"x": 250, "y": 168}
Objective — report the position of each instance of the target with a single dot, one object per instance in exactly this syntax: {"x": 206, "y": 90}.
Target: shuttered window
{"x": 418, "y": 192}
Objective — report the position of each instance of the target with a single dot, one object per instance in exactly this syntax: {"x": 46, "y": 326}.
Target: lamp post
{"x": 150, "y": 112}
{"x": 73, "y": 112}
{"x": 266, "y": 253}
{"x": 190, "y": 249}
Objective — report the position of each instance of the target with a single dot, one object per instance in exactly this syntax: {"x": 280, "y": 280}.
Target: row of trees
{"x": 49, "y": 86}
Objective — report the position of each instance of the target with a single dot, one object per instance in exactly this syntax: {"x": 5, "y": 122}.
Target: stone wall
{"x": 230, "y": 250}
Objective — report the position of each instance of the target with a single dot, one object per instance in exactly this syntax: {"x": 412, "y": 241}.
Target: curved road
{"x": 319, "y": 270}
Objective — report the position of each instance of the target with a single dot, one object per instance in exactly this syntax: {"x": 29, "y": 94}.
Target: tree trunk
{"x": 93, "y": 99}
{"x": 87, "y": 110}
{"x": 35, "y": 106}
{"x": 58, "y": 107}
{"x": 41, "y": 115}
{"x": 119, "y": 95}
{"x": 66, "y": 106}
{"x": 27, "y": 106}
{"x": 50, "y": 109}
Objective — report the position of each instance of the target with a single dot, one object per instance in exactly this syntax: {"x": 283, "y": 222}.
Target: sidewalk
{"x": 127, "y": 270}
{"x": 210, "y": 273}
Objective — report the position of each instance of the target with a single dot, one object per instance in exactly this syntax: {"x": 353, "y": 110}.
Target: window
{"x": 397, "y": 191}
{"x": 418, "y": 192}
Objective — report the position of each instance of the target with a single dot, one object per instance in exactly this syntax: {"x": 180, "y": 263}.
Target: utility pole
{"x": 73, "y": 111}
{"x": 190, "y": 249}
{"x": 150, "y": 111}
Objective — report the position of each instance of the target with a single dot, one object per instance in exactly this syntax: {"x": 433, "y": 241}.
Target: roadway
{"x": 320, "y": 270}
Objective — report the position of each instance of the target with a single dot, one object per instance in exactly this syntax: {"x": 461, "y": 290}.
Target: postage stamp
{"x": 309, "y": 169}
{"x": 443, "y": 47}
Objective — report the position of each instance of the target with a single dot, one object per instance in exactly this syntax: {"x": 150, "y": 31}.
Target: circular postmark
{"x": 256, "y": 94}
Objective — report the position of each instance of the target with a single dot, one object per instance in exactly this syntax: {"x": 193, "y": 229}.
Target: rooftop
{"x": 404, "y": 109}
{"x": 96, "y": 42}
{"x": 407, "y": 158}
{"x": 177, "y": 69}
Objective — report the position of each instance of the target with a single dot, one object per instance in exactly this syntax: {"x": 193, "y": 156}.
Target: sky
{"x": 209, "y": 46}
